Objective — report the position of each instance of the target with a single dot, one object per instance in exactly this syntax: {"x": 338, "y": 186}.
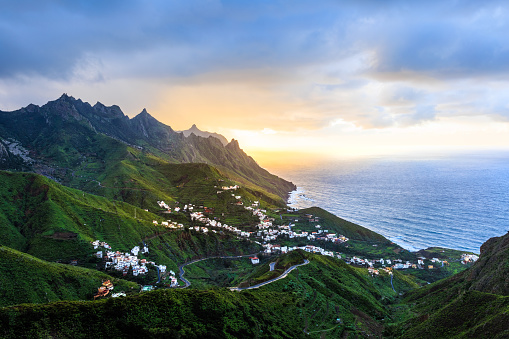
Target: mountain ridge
{"x": 65, "y": 132}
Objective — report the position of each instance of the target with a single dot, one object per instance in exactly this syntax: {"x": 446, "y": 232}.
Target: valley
{"x": 118, "y": 227}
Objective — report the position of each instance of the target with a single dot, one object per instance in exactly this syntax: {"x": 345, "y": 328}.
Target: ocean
{"x": 451, "y": 200}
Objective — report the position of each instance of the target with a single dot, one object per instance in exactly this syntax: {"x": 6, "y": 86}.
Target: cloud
{"x": 279, "y": 65}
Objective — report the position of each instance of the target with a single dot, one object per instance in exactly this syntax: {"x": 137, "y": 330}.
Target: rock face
{"x": 204, "y": 134}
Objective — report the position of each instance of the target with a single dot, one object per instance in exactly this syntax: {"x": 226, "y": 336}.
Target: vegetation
{"x": 310, "y": 300}
{"x": 115, "y": 169}
{"x": 473, "y": 303}
{"x": 26, "y": 279}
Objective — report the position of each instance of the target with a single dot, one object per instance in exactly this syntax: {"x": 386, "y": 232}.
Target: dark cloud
{"x": 441, "y": 42}
{"x": 332, "y": 54}
{"x": 189, "y": 37}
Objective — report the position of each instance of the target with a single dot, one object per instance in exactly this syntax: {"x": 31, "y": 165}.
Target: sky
{"x": 333, "y": 78}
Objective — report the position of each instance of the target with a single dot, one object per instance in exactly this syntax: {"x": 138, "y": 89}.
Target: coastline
{"x": 299, "y": 200}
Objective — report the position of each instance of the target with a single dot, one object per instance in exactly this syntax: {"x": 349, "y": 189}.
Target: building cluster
{"x": 267, "y": 232}
{"x": 228, "y": 188}
{"x": 274, "y": 249}
{"x": 165, "y": 206}
{"x": 124, "y": 261}
{"x": 169, "y": 224}
{"x": 468, "y": 258}
{"x": 200, "y": 217}
{"x": 396, "y": 264}
{"x": 104, "y": 290}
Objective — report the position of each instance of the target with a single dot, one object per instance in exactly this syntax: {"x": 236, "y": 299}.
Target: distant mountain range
{"x": 204, "y": 134}
{"x": 68, "y": 139}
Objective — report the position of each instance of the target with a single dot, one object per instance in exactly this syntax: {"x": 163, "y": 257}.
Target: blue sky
{"x": 350, "y": 76}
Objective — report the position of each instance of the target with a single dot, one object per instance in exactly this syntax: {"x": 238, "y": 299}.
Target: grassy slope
{"x": 159, "y": 314}
{"x": 26, "y": 279}
{"x": 329, "y": 289}
{"x": 311, "y": 298}
{"x": 341, "y": 226}
{"x": 473, "y": 303}
{"x": 470, "y": 314}
{"x": 35, "y": 209}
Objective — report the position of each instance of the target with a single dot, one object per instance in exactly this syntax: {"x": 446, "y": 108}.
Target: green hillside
{"x": 310, "y": 300}
{"x": 470, "y": 314}
{"x": 26, "y": 279}
{"x": 57, "y": 223}
{"x": 344, "y": 227}
{"x": 471, "y": 304}
{"x": 54, "y": 222}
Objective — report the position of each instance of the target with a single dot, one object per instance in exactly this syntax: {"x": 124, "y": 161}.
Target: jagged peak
{"x": 65, "y": 97}
{"x": 113, "y": 110}
{"x": 31, "y": 107}
{"x": 143, "y": 114}
{"x": 234, "y": 144}
{"x": 144, "y": 117}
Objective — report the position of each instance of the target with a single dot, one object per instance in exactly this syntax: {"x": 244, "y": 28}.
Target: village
{"x": 266, "y": 234}
{"x": 123, "y": 262}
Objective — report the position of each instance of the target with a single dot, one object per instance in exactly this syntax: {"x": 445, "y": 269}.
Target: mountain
{"x": 68, "y": 137}
{"x": 470, "y": 304}
{"x": 204, "y": 134}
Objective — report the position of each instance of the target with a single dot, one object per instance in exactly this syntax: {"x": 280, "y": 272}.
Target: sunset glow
{"x": 330, "y": 78}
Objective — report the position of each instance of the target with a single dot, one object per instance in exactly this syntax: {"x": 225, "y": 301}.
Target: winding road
{"x": 285, "y": 273}
{"x": 181, "y": 267}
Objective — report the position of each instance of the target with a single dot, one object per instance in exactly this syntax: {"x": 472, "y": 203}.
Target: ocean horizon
{"x": 452, "y": 200}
